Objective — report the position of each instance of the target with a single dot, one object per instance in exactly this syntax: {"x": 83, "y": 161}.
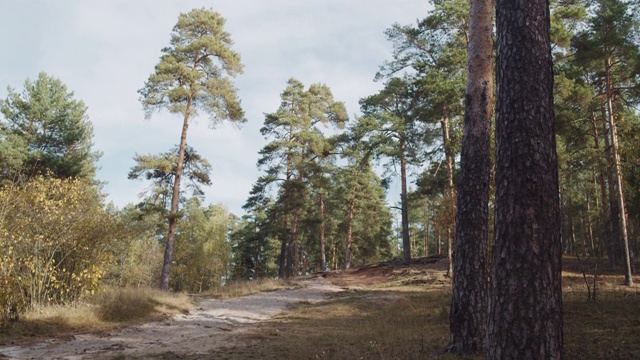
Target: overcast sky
{"x": 104, "y": 51}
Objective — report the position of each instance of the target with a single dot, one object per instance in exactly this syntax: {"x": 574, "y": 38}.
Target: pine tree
{"x": 194, "y": 74}
{"x": 47, "y": 131}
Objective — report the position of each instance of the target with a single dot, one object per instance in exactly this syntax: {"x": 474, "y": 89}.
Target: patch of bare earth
{"x": 213, "y": 324}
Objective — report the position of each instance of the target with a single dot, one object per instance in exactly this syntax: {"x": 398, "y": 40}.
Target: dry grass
{"x": 107, "y": 310}
{"x": 135, "y": 305}
{"x": 244, "y": 288}
{"x": 402, "y": 313}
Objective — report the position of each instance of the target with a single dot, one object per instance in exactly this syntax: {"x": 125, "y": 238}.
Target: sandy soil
{"x": 210, "y": 326}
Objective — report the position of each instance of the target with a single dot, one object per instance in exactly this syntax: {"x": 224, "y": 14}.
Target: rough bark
{"x": 175, "y": 197}
{"x": 469, "y": 289}
{"x": 525, "y": 295}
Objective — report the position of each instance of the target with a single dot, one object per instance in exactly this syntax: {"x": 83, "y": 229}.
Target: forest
{"x": 321, "y": 201}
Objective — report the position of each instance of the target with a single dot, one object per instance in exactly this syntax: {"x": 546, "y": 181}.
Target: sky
{"x": 104, "y": 51}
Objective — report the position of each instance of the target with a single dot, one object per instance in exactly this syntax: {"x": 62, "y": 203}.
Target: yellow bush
{"x": 59, "y": 238}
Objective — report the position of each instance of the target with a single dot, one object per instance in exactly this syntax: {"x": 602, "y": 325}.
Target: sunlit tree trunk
{"x": 469, "y": 289}
{"x": 406, "y": 243}
{"x": 614, "y": 208}
{"x": 175, "y": 197}
{"x": 450, "y": 195}
{"x": 628, "y": 280}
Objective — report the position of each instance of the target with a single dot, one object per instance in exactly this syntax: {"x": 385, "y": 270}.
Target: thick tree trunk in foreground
{"x": 175, "y": 196}
{"x": 525, "y": 295}
{"x": 469, "y": 290}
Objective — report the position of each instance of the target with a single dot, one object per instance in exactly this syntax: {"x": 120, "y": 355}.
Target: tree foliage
{"x": 46, "y": 131}
{"x": 58, "y": 242}
{"x": 193, "y": 75}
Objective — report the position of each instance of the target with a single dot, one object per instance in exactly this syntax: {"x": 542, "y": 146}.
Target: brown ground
{"x": 389, "y": 310}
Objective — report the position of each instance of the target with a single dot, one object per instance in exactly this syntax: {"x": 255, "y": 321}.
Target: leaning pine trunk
{"x": 175, "y": 196}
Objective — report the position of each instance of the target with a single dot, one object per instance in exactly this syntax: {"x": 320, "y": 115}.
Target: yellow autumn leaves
{"x": 55, "y": 242}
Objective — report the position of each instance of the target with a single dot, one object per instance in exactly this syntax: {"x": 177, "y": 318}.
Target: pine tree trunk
{"x": 347, "y": 253}
{"x": 426, "y": 229}
{"x": 614, "y": 208}
{"x": 323, "y": 255}
{"x": 469, "y": 289}
{"x": 406, "y": 243}
{"x": 451, "y": 197}
{"x": 606, "y": 215}
{"x": 628, "y": 280}
{"x": 292, "y": 247}
{"x": 525, "y": 295}
{"x": 175, "y": 197}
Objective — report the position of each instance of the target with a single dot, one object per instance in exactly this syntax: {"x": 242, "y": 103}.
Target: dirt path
{"x": 210, "y": 326}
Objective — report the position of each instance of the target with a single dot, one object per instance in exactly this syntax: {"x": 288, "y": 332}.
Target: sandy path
{"x": 210, "y": 326}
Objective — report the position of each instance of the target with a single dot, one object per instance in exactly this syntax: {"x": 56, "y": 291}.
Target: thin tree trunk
{"x": 323, "y": 255}
{"x": 571, "y": 239}
{"x": 451, "y": 198}
{"x": 175, "y": 197}
{"x": 347, "y": 254}
{"x": 583, "y": 235}
{"x": 292, "y": 247}
{"x": 614, "y": 207}
{"x": 525, "y": 294}
{"x": 406, "y": 243}
{"x": 628, "y": 280}
{"x": 439, "y": 241}
{"x": 426, "y": 229}
{"x": 469, "y": 289}
{"x": 590, "y": 229}
{"x": 606, "y": 214}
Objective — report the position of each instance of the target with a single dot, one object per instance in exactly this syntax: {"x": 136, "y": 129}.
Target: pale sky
{"x": 104, "y": 51}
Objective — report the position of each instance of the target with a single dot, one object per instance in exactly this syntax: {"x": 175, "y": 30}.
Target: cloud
{"x": 104, "y": 51}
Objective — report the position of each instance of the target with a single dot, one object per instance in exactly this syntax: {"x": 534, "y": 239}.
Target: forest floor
{"x": 383, "y": 311}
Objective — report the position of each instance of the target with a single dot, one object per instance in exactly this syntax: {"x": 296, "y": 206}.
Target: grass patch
{"x": 391, "y": 323}
{"x": 407, "y": 317}
{"x": 135, "y": 305}
{"x": 104, "y": 311}
{"x": 244, "y": 288}
{"x": 606, "y": 329}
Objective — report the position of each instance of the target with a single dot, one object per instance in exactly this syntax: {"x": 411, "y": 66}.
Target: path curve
{"x": 209, "y": 327}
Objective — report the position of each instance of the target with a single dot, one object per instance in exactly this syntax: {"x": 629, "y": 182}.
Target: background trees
{"x": 193, "y": 75}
